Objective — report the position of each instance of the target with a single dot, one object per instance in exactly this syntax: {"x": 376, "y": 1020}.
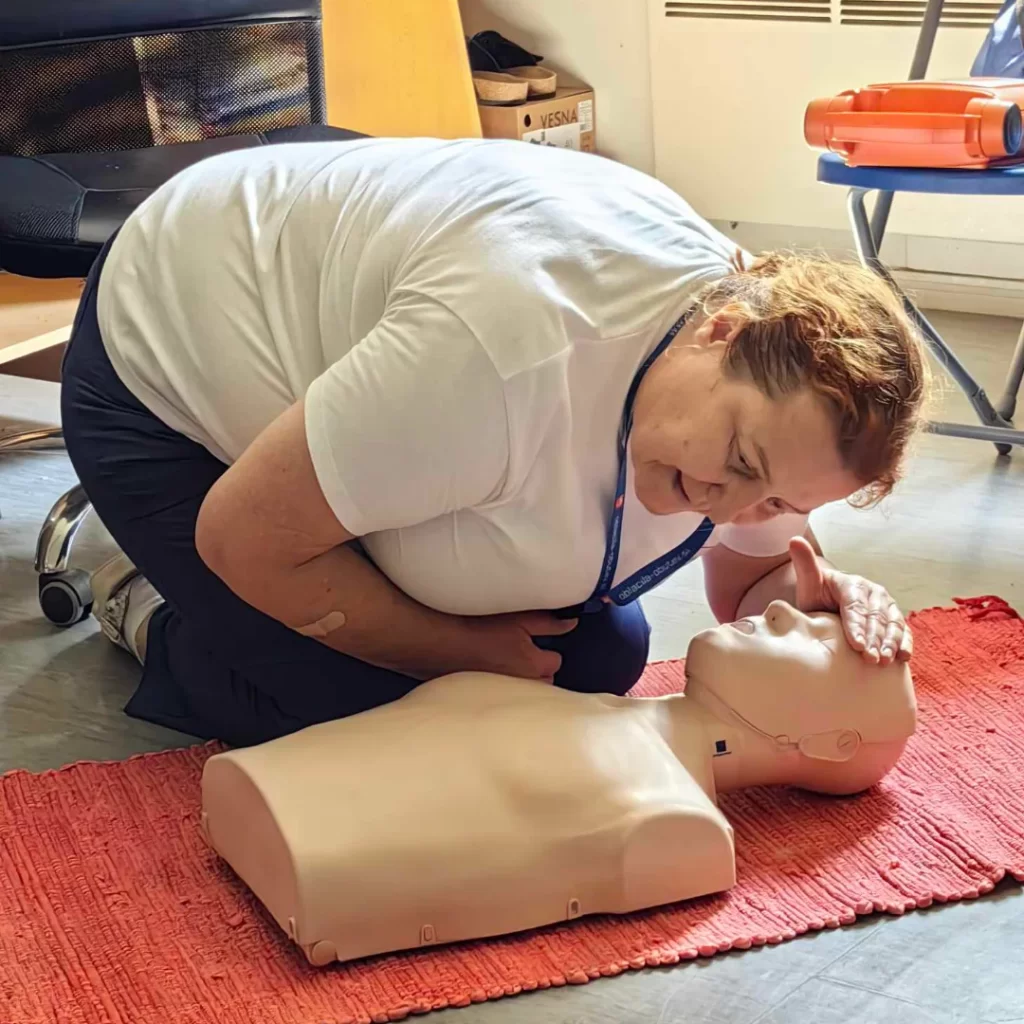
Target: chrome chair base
{"x": 65, "y": 595}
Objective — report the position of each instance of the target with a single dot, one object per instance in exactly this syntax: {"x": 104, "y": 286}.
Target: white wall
{"x": 602, "y": 42}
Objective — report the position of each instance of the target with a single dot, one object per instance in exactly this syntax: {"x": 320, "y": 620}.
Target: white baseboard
{"x": 954, "y": 293}
{"x": 949, "y": 274}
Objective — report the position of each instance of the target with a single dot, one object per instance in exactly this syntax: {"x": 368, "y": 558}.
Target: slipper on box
{"x": 497, "y": 89}
{"x": 542, "y": 81}
{"x": 491, "y": 51}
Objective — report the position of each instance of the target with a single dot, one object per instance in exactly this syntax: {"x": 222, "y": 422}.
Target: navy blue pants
{"x": 216, "y": 667}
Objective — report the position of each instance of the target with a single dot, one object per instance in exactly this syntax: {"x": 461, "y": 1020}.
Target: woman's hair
{"x": 840, "y": 330}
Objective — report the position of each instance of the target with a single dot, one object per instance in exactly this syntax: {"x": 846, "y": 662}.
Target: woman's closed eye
{"x": 742, "y": 466}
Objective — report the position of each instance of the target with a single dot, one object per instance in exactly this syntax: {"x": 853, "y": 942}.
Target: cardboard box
{"x": 565, "y": 119}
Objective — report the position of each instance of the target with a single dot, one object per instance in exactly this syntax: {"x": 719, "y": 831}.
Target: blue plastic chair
{"x": 996, "y": 420}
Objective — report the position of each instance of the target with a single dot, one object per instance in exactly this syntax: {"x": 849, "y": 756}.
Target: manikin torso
{"x": 480, "y": 805}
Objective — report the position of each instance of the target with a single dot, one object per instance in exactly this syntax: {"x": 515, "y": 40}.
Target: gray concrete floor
{"x": 956, "y": 527}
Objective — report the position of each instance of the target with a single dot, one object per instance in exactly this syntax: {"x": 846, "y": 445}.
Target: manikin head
{"x": 807, "y": 708}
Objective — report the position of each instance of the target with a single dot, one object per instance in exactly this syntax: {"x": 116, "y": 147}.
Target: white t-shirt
{"x": 464, "y": 320}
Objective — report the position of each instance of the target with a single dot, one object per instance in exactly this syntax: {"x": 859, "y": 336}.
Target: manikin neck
{"x": 740, "y": 756}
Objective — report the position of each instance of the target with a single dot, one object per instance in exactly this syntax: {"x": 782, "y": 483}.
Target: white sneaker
{"x": 122, "y": 603}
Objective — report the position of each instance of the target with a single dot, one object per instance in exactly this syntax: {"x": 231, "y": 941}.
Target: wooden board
{"x": 398, "y": 68}
{"x": 35, "y": 317}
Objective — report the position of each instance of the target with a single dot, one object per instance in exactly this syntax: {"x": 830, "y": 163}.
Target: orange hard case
{"x": 969, "y": 123}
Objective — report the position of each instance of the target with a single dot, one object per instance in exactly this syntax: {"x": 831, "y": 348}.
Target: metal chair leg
{"x": 994, "y": 426}
{"x": 58, "y": 532}
{"x": 65, "y": 595}
{"x": 1007, "y": 405}
{"x": 44, "y": 437}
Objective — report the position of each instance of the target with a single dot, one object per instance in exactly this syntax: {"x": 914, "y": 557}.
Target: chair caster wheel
{"x": 65, "y": 597}
{"x": 1004, "y": 449}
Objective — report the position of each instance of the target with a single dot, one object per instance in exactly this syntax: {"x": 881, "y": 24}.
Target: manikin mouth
{"x": 744, "y": 626}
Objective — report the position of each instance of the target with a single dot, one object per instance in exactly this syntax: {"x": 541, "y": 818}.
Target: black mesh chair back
{"x": 101, "y": 101}
{"x": 128, "y": 74}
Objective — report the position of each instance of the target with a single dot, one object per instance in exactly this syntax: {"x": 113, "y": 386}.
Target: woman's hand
{"x": 871, "y": 619}
{"x": 504, "y": 644}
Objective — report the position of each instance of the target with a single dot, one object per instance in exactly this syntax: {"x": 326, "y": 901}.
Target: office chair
{"x": 102, "y": 103}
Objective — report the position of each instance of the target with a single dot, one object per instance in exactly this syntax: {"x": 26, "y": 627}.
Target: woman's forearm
{"x": 343, "y": 600}
{"x": 266, "y": 529}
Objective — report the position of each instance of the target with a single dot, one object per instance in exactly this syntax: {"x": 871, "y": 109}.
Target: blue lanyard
{"x": 659, "y": 570}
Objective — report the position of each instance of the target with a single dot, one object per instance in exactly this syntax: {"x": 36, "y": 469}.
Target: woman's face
{"x": 705, "y": 442}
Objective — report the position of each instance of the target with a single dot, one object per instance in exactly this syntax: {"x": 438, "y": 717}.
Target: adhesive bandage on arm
{"x": 323, "y": 627}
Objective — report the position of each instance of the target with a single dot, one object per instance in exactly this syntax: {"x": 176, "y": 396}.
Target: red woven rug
{"x": 112, "y": 910}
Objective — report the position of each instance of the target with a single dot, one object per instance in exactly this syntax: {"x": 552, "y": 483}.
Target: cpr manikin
{"x": 480, "y": 805}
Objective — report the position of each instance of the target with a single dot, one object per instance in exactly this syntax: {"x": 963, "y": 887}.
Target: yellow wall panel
{"x": 398, "y": 68}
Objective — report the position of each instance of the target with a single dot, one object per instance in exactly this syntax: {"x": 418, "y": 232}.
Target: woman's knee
{"x": 607, "y": 652}
{"x": 628, "y": 651}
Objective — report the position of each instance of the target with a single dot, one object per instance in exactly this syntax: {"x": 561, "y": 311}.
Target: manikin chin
{"x": 480, "y": 805}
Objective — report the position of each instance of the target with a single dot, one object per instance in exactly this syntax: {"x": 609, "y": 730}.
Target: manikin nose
{"x": 782, "y": 617}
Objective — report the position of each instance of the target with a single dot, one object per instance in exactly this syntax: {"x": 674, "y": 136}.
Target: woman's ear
{"x": 721, "y": 327}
